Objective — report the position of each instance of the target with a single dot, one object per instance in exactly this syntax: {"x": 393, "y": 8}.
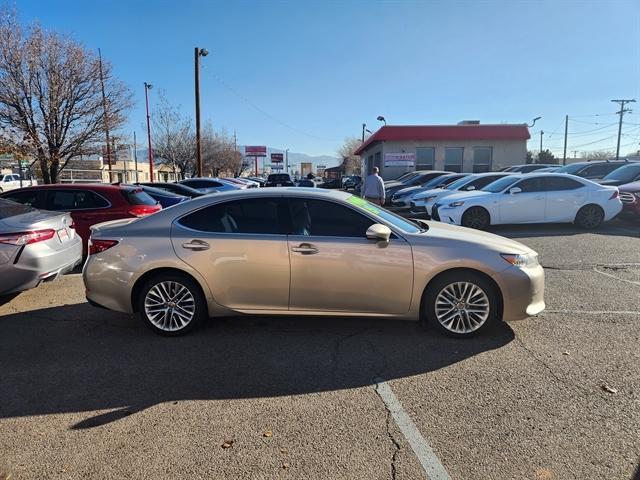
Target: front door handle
{"x": 196, "y": 245}
{"x": 305, "y": 249}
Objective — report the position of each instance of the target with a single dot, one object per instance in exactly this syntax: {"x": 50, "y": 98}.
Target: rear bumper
{"x": 30, "y": 271}
{"x": 522, "y": 292}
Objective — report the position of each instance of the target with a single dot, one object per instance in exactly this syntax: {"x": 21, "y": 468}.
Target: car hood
{"x": 453, "y": 233}
{"x": 475, "y": 195}
{"x": 429, "y": 193}
{"x": 630, "y": 187}
{"x": 408, "y": 190}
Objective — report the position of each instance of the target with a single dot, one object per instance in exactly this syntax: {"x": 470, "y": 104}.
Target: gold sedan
{"x": 296, "y": 251}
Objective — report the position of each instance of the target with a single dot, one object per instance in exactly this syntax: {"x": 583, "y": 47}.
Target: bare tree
{"x": 219, "y": 155}
{"x": 50, "y": 94}
{"x": 174, "y": 142}
{"x": 599, "y": 155}
{"x": 352, "y": 162}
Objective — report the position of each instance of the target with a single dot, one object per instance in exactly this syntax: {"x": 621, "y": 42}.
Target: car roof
{"x": 76, "y": 186}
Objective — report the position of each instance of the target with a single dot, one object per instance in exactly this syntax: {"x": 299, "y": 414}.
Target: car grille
{"x": 626, "y": 197}
{"x": 434, "y": 212}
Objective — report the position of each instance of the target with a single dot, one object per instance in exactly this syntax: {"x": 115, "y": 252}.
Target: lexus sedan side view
{"x": 531, "y": 198}
{"x": 302, "y": 251}
{"x": 35, "y": 246}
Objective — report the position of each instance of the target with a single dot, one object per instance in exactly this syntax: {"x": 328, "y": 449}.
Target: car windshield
{"x": 434, "y": 181}
{"x": 628, "y": 172}
{"x": 459, "y": 183}
{"x": 574, "y": 168}
{"x": 9, "y": 208}
{"x": 500, "y": 185}
{"x": 386, "y": 216}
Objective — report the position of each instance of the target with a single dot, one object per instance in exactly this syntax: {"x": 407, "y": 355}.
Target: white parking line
{"x": 592, "y": 312}
{"x": 427, "y": 457}
{"x": 616, "y": 277}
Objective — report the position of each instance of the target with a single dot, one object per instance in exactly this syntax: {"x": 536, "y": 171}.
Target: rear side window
{"x": 138, "y": 197}
{"x": 69, "y": 200}
{"x": 12, "y": 209}
{"x": 26, "y": 197}
{"x": 562, "y": 183}
{"x": 202, "y": 184}
{"x": 281, "y": 177}
{"x": 327, "y": 219}
{"x": 251, "y": 216}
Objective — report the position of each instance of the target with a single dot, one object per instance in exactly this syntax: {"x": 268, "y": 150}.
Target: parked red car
{"x": 88, "y": 203}
{"x": 630, "y": 198}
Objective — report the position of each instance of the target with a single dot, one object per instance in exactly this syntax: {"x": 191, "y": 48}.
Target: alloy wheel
{"x": 590, "y": 217}
{"x": 462, "y": 307}
{"x": 170, "y": 306}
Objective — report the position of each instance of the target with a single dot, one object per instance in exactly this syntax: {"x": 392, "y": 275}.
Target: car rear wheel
{"x": 171, "y": 304}
{"x": 461, "y": 304}
{"x": 476, "y": 217}
{"x": 589, "y": 216}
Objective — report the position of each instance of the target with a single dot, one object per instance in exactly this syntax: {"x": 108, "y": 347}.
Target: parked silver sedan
{"x": 298, "y": 251}
{"x": 35, "y": 246}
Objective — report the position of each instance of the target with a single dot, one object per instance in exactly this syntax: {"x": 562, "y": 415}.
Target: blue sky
{"x": 303, "y": 75}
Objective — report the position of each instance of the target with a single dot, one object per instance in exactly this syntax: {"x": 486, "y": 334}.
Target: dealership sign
{"x": 399, "y": 159}
{"x": 255, "y": 151}
{"x": 277, "y": 157}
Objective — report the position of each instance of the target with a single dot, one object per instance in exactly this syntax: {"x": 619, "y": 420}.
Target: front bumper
{"x": 630, "y": 206}
{"x": 522, "y": 292}
{"x": 445, "y": 214}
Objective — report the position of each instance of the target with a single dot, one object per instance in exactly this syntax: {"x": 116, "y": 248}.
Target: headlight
{"x": 456, "y": 204}
{"x": 428, "y": 199}
{"x": 527, "y": 260}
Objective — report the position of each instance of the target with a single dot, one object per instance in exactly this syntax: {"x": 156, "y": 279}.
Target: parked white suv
{"x": 11, "y": 181}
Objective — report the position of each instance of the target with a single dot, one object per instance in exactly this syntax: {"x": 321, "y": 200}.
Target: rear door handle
{"x": 305, "y": 249}
{"x": 196, "y": 245}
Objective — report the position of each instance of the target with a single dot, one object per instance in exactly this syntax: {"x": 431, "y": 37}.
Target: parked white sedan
{"x": 532, "y": 198}
{"x": 422, "y": 202}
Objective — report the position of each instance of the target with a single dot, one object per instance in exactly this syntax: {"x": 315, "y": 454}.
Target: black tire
{"x": 175, "y": 323}
{"x": 476, "y": 217}
{"x": 461, "y": 319}
{"x": 589, "y": 217}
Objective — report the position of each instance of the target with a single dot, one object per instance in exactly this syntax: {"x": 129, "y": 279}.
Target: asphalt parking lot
{"x": 87, "y": 393}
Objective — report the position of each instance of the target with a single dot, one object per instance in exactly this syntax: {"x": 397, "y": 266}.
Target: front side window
{"x": 500, "y": 185}
{"x": 482, "y": 157}
{"x": 320, "y": 218}
{"x": 25, "y": 197}
{"x": 425, "y": 158}
{"x": 250, "y": 216}
{"x": 453, "y": 159}
{"x": 531, "y": 185}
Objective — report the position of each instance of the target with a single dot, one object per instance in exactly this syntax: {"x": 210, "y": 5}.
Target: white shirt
{"x": 373, "y": 187}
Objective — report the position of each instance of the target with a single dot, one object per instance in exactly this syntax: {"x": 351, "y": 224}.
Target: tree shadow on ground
{"x": 78, "y": 358}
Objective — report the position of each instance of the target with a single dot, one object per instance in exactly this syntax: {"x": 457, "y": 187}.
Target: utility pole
{"x": 621, "y": 113}
{"x": 147, "y": 87}
{"x": 105, "y": 115}
{"x": 286, "y": 160}
{"x": 541, "y": 134}
{"x": 575, "y": 154}
{"x": 135, "y": 154}
{"x": 364, "y": 126}
{"x": 198, "y": 52}
{"x": 566, "y": 128}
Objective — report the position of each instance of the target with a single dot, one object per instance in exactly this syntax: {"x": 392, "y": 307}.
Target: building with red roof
{"x": 466, "y": 147}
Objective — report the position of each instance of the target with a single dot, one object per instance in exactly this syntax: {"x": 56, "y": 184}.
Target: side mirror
{"x": 378, "y": 232}
{"x": 515, "y": 190}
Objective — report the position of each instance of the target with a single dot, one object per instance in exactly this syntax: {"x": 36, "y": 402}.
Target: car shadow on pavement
{"x": 77, "y": 358}
{"x": 613, "y": 228}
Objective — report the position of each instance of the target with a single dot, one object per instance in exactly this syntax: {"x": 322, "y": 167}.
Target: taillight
{"x": 26, "y": 238}
{"x": 97, "y": 246}
{"x": 143, "y": 210}
{"x": 614, "y": 195}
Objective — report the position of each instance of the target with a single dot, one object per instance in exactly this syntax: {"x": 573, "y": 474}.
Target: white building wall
{"x": 505, "y": 153}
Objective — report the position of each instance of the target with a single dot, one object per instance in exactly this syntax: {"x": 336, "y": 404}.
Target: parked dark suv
{"x": 591, "y": 170}
{"x": 279, "y": 180}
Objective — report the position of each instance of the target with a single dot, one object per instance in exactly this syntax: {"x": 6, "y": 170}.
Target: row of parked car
{"x": 586, "y": 194}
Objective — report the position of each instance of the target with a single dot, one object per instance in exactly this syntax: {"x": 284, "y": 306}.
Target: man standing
{"x": 373, "y": 188}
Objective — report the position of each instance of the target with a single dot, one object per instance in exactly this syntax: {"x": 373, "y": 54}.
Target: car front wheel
{"x": 171, "y": 304}
{"x": 476, "y": 217}
{"x": 461, "y": 304}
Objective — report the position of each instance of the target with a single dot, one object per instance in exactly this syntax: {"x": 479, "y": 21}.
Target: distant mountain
{"x": 295, "y": 158}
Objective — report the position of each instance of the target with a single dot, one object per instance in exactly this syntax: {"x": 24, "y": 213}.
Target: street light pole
{"x": 286, "y": 160}
{"x": 135, "y": 154}
{"x": 198, "y": 52}
{"x": 364, "y": 127}
{"x": 541, "y": 134}
{"x": 147, "y": 87}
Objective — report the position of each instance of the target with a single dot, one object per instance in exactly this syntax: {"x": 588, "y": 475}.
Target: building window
{"x": 425, "y": 158}
{"x": 453, "y": 159}
{"x": 482, "y": 157}
{"x": 370, "y": 165}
